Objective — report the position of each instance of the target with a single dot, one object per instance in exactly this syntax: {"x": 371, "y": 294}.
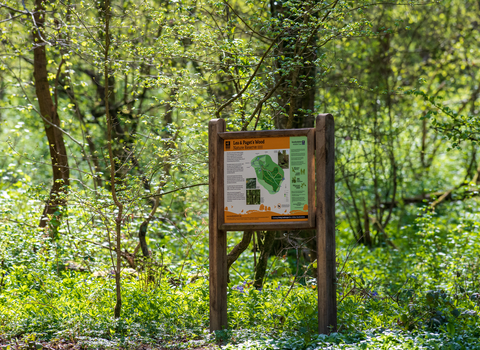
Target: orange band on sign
{"x": 256, "y": 143}
{"x": 265, "y": 216}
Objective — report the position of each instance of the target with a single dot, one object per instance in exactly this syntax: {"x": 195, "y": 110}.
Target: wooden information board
{"x": 268, "y": 180}
{"x": 272, "y": 180}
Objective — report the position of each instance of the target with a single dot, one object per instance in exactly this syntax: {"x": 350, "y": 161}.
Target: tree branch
{"x": 175, "y": 190}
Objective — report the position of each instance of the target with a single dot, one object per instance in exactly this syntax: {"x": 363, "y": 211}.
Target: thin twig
{"x": 175, "y": 190}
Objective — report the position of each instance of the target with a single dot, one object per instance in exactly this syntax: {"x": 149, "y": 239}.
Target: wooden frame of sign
{"x": 234, "y": 200}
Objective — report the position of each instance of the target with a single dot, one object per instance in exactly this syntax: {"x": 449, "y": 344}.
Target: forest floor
{"x": 65, "y": 344}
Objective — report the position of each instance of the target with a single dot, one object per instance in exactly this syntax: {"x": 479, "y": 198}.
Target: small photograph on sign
{"x": 283, "y": 159}
{"x": 251, "y": 183}
{"x": 253, "y": 197}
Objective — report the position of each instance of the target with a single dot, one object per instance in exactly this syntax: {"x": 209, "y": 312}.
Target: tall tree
{"x": 294, "y": 63}
{"x": 51, "y": 120}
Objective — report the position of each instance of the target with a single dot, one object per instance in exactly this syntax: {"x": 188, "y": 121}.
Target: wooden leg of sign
{"x": 217, "y": 238}
{"x": 325, "y": 222}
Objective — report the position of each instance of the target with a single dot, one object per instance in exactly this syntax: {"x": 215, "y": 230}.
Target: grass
{"x": 423, "y": 295}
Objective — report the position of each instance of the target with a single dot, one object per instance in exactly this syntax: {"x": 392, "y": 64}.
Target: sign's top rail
{"x": 264, "y": 133}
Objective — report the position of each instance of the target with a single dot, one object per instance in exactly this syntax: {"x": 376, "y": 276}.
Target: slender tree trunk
{"x": 118, "y": 203}
{"x": 51, "y": 121}
{"x": 238, "y": 250}
{"x": 265, "y": 246}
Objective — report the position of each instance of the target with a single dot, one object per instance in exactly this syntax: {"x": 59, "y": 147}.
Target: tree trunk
{"x": 238, "y": 250}
{"x": 295, "y": 59}
{"x": 296, "y": 98}
{"x": 51, "y": 122}
{"x": 265, "y": 247}
{"x": 113, "y": 190}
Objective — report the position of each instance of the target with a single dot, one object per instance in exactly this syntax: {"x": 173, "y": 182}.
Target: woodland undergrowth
{"x": 423, "y": 294}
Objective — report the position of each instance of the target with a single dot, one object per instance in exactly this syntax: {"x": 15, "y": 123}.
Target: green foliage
{"x": 399, "y": 79}
{"x": 423, "y": 295}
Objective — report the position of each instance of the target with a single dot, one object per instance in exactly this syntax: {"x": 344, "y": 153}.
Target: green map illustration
{"x": 270, "y": 175}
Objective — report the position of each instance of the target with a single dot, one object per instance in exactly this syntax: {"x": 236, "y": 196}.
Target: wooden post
{"x": 217, "y": 238}
{"x": 325, "y": 222}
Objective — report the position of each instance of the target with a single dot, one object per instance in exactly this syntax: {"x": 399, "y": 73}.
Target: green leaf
{"x": 455, "y": 312}
{"x": 451, "y": 328}
{"x": 309, "y": 310}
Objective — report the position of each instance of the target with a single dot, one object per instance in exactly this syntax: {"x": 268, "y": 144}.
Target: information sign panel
{"x": 266, "y": 179}
{"x": 272, "y": 180}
